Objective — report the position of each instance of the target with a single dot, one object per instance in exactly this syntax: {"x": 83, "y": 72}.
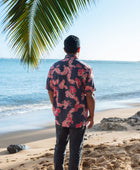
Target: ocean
{"x": 24, "y": 102}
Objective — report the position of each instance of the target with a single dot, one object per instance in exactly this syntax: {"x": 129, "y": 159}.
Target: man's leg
{"x": 76, "y": 144}
{"x": 62, "y": 136}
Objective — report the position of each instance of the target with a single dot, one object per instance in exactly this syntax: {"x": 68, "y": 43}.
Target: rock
{"x": 112, "y": 123}
{"x": 118, "y": 124}
{"x": 138, "y": 114}
{"x": 16, "y": 148}
{"x": 112, "y": 119}
{"x": 108, "y": 126}
{"x": 134, "y": 120}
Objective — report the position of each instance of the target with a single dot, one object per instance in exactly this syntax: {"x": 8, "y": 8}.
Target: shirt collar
{"x": 71, "y": 56}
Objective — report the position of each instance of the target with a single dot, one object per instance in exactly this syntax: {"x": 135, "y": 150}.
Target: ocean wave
{"x": 23, "y": 99}
{"x": 9, "y": 110}
{"x": 27, "y": 105}
{"x": 119, "y": 96}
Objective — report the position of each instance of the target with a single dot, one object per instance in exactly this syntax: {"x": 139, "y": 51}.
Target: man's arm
{"x": 91, "y": 107}
{"x": 51, "y": 96}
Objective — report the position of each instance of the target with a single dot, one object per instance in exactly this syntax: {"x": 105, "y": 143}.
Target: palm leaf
{"x": 34, "y": 26}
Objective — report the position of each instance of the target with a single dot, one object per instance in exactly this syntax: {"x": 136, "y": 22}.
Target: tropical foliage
{"x": 34, "y": 26}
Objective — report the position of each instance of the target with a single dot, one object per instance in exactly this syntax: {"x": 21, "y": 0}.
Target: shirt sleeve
{"x": 89, "y": 86}
{"x": 49, "y": 84}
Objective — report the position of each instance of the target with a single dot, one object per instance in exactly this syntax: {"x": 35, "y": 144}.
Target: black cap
{"x": 71, "y": 44}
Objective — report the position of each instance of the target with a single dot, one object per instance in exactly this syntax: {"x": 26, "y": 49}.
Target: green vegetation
{"x": 34, "y": 26}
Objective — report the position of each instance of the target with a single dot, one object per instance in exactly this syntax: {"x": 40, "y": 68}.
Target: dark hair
{"x": 71, "y": 44}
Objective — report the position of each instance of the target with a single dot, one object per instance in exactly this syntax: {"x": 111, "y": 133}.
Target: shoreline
{"x": 43, "y": 125}
{"x": 41, "y": 143}
{"x": 48, "y": 131}
{"x": 38, "y": 119}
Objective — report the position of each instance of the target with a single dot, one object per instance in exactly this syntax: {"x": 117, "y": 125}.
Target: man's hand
{"x": 91, "y": 122}
{"x": 91, "y": 106}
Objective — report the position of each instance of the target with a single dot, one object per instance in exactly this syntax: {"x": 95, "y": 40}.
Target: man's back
{"x": 70, "y": 79}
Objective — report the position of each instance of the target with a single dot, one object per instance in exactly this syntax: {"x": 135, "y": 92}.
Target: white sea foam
{"x": 6, "y": 111}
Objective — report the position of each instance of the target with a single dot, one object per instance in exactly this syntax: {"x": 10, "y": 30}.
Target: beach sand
{"x": 102, "y": 150}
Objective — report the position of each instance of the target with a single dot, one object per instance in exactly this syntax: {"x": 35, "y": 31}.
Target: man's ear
{"x": 78, "y": 50}
{"x": 65, "y": 50}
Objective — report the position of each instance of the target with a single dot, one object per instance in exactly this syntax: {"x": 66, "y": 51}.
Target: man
{"x": 70, "y": 86}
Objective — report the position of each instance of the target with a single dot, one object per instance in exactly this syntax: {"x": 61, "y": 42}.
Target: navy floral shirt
{"x": 70, "y": 80}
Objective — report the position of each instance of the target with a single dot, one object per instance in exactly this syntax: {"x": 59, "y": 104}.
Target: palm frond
{"x": 34, "y": 26}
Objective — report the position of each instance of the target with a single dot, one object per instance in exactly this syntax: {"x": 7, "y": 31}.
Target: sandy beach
{"x": 102, "y": 150}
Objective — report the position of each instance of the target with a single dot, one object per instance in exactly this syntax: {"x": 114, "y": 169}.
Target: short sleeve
{"x": 49, "y": 85}
{"x": 89, "y": 85}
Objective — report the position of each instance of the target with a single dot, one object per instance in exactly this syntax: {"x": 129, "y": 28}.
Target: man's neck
{"x": 73, "y": 54}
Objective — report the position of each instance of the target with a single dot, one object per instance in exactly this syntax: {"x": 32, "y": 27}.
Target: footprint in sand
{"x": 43, "y": 162}
{"x": 51, "y": 149}
{"x": 48, "y": 165}
{"x": 33, "y": 159}
{"x": 45, "y": 155}
{"x": 35, "y": 154}
{"x": 132, "y": 140}
{"x": 29, "y": 155}
{"x": 21, "y": 165}
{"x": 13, "y": 160}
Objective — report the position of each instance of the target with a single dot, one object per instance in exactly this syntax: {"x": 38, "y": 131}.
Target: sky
{"x": 108, "y": 30}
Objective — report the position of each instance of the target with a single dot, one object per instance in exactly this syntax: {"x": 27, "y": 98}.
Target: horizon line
{"x": 80, "y": 59}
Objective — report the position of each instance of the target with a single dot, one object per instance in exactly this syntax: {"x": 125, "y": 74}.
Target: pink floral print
{"x": 70, "y": 80}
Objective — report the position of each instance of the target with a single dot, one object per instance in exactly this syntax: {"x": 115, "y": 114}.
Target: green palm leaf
{"x": 34, "y": 26}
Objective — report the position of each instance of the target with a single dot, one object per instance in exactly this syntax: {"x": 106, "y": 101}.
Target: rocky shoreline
{"x": 118, "y": 124}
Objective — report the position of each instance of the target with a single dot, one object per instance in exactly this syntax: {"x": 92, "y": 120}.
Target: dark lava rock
{"x": 118, "y": 124}
{"x": 16, "y": 148}
{"x": 113, "y": 119}
{"x": 109, "y": 126}
{"x": 134, "y": 120}
{"x": 138, "y": 114}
